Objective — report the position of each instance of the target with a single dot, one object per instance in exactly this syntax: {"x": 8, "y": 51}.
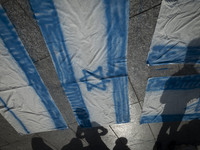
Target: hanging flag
{"x": 24, "y": 100}
{"x": 176, "y": 32}
{"x": 87, "y": 41}
{"x": 174, "y": 98}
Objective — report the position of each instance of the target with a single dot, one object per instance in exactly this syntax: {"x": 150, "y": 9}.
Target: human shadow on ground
{"x": 169, "y": 136}
{"x": 121, "y": 144}
{"x": 38, "y": 144}
{"x": 74, "y": 144}
{"x": 187, "y": 138}
{"x": 92, "y": 135}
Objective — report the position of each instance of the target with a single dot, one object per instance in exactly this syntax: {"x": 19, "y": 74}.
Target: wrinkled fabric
{"x": 24, "y": 100}
{"x": 177, "y": 33}
{"x": 173, "y": 98}
{"x": 87, "y": 41}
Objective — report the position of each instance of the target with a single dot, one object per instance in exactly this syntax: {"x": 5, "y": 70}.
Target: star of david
{"x": 96, "y": 75}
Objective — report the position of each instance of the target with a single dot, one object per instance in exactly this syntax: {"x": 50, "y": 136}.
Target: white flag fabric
{"x": 174, "y": 98}
{"x": 176, "y": 32}
{"x": 87, "y": 40}
{"x": 24, "y": 100}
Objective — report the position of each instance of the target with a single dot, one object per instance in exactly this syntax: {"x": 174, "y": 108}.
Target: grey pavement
{"x": 142, "y": 21}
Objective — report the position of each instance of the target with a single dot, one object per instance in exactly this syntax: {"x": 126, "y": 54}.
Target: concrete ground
{"x": 143, "y": 17}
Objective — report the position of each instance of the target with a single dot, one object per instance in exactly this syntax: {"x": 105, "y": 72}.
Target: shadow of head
{"x": 192, "y": 55}
{"x": 121, "y": 144}
{"x": 121, "y": 140}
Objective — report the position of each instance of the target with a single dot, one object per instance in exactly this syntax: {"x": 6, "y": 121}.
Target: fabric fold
{"x": 24, "y": 100}
{"x": 174, "y": 98}
{"x": 87, "y": 41}
{"x": 176, "y": 34}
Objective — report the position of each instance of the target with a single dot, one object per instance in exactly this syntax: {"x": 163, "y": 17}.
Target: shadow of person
{"x": 121, "y": 144}
{"x": 187, "y": 137}
{"x": 176, "y": 102}
{"x": 91, "y": 135}
{"x": 75, "y": 144}
{"x": 38, "y": 144}
{"x": 189, "y": 134}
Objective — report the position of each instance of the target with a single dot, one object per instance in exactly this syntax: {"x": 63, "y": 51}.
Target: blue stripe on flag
{"x": 169, "y": 118}
{"x": 195, "y": 106}
{"x": 13, "y": 114}
{"x": 18, "y": 52}
{"x": 117, "y": 14}
{"x": 48, "y": 20}
{"x": 162, "y": 54}
{"x": 173, "y": 83}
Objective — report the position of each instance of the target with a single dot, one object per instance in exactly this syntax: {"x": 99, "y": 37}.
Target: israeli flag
{"x": 176, "y": 32}
{"x": 87, "y": 40}
{"x": 174, "y": 98}
{"x": 24, "y": 100}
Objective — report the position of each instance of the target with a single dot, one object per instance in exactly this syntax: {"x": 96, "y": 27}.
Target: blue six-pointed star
{"x": 96, "y": 75}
